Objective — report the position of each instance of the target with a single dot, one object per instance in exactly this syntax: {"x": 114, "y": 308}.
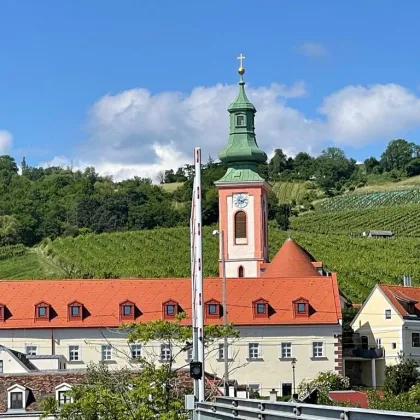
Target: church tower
{"x": 243, "y": 212}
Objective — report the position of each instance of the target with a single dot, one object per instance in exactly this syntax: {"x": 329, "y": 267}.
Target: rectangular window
{"x": 106, "y": 352}
{"x": 31, "y": 350}
{"x": 260, "y": 308}
{"x": 254, "y": 388}
{"x": 221, "y": 352}
{"x": 42, "y": 311}
{"x": 170, "y": 309}
{"x": 165, "y": 353}
{"x": 415, "y": 338}
{"x": 16, "y": 400}
{"x": 1, "y": 366}
{"x": 63, "y": 398}
{"x": 388, "y": 314}
{"x": 286, "y": 389}
{"x": 75, "y": 311}
{"x": 127, "y": 310}
{"x": 74, "y": 353}
{"x": 212, "y": 309}
{"x": 135, "y": 350}
{"x": 393, "y": 346}
{"x": 240, "y": 120}
{"x": 317, "y": 349}
{"x": 301, "y": 307}
{"x": 379, "y": 342}
{"x": 286, "y": 350}
{"x": 254, "y": 350}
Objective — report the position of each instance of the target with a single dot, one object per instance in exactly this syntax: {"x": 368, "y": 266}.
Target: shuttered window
{"x": 240, "y": 225}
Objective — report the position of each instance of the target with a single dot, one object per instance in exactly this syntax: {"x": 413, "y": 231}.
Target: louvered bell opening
{"x": 240, "y": 227}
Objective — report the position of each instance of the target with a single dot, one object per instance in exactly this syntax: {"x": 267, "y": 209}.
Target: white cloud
{"x": 138, "y": 133}
{"x": 312, "y": 49}
{"x": 5, "y": 141}
{"x": 358, "y": 114}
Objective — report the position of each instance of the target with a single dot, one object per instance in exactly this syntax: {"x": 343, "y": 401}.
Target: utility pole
{"x": 224, "y": 305}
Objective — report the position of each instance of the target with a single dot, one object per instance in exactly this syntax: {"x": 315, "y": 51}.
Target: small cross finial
{"x": 241, "y": 58}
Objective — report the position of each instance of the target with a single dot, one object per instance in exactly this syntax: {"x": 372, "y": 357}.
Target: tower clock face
{"x": 240, "y": 200}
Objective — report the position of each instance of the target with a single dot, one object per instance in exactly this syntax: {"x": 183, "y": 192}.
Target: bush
{"x": 401, "y": 377}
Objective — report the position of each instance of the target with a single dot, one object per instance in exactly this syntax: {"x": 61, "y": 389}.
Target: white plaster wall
{"x": 46, "y": 364}
{"x": 10, "y": 364}
{"x": 250, "y": 268}
{"x": 270, "y": 371}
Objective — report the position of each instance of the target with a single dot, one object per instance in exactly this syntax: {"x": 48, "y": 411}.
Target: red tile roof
{"x": 403, "y": 293}
{"x": 355, "y": 398}
{"x": 101, "y": 299}
{"x": 291, "y": 260}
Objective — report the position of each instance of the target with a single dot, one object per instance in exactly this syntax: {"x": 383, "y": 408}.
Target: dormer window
{"x": 61, "y": 394}
{"x": 75, "y": 311}
{"x": 17, "y": 396}
{"x": 260, "y": 308}
{"x": 2, "y": 312}
{"x": 170, "y": 309}
{"x": 301, "y": 307}
{"x": 42, "y": 311}
{"x": 127, "y": 310}
{"x": 212, "y": 309}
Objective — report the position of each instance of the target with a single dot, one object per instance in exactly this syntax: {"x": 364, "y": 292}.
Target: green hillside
{"x": 401, "y": 220}
{"x": 361, "y": 263}
{"x": 288, "y": 191}
{"x": 370, "y": 200}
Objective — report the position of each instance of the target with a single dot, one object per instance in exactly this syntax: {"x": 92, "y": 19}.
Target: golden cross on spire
{"x": 240, "y": 58}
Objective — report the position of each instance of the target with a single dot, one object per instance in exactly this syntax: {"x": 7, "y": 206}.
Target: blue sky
{"x": 132, "y": 86}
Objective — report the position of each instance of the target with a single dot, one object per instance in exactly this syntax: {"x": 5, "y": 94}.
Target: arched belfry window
{"x": 240, "y": 271}
{"x": 240, "y": 228}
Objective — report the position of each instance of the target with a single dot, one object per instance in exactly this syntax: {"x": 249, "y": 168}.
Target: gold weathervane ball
{"x": 241, "y": 71}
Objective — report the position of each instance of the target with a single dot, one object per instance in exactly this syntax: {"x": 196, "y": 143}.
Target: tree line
{"x": 38, "y": 203}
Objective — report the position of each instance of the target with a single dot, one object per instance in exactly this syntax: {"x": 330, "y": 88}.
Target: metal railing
{"x": 244, "y": 409}
{"x": 372, "y": 353}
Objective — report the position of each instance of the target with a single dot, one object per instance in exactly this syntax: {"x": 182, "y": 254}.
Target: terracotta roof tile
{"x": 355, "y": 398}
{"x": 404, "y": 293}
{"x": 291, "y": 260}
{"x": 101, "y": 299}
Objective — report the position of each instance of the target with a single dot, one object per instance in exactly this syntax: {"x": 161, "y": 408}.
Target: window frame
{"x": 388, "y": 313}
{"x": 316, "y": 356}
{"x": 417, "y": 343}
{"x": 281, "y": 388}
{"x": 241, "y": 271}
{"x": 45, "y": 306}
{"x": 136, "y": 348}
{"x": 20, "y": 393}
{"x": 166, "y": 305}
{"x": 34, "y": 346}
{"x": 237, "y": 123}
{"x": 1, "y": 366}
{"x": 104, "y": 352}
{"x": 256, "y": 305}
{"x": 217, "y": 307}
{"x": 60, "y": 390}
{"x": 165, "y": 349}
{"x": 72, "y": 350}
{"x": 2, "y": 312}
{"x": 127, "y": 304}
{"x": 251, "y": 349}
{"x": 283, "y": 345}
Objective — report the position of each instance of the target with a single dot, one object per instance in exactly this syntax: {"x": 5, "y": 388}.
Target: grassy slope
{"x": 172, "y": 186}
{"x": 288, "y": 191}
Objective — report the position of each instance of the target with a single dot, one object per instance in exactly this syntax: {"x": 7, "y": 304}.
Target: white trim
{"x": 102, "y": 352}
{"x": 17, "y": 389}
{"x": 131, "y": 350}
{"x": 62, "y": 388}
{"x": 281, "y": 350}
{"x": 31, "y": 345}
{"x": 255, "y": 383}
{"x": 79, "y": 352}
{"x": 323, "y": 350}
{"x": 281, "y": 387}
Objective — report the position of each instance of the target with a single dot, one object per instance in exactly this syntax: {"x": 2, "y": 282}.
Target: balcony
{"x": 363, "y": 353}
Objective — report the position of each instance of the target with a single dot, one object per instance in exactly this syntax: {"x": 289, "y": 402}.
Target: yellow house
{"x": 386, "y": 328}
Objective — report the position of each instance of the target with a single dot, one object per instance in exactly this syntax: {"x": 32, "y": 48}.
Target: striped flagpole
{"x": 197, "y": 275}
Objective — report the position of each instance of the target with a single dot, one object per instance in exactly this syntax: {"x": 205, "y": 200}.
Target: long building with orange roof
{"x": 287, "y": 310}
